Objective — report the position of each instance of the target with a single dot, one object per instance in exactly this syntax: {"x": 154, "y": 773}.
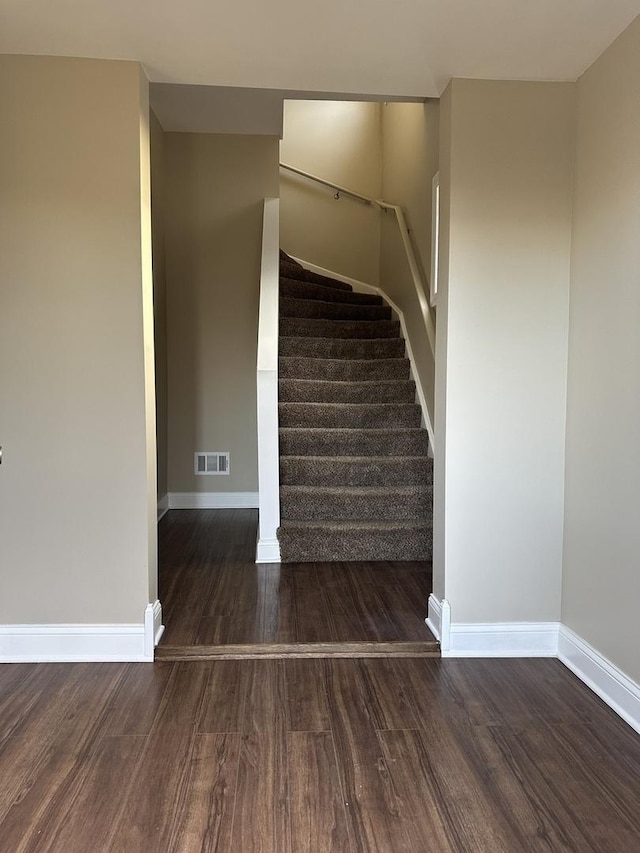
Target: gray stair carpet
{"x": 356, "y": 481}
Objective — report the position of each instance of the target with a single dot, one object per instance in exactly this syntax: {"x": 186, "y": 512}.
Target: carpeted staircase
{"x": 355, "y": 477}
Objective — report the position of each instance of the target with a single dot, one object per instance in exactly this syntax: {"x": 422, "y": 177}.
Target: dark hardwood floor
{"x": 213, "y": 594}
{"x": 311, "y": 756}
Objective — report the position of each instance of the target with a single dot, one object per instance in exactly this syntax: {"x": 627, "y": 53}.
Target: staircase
{"x": 356, "y": 482}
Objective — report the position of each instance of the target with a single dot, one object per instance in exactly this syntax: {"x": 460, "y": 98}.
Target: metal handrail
{"x": 336, "y": 187}
{"x": 421, "y": 287}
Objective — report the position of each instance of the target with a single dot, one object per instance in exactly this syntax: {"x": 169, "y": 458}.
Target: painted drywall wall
{"x": 339, "y": 141}
{"x": 410, "y": 159}
{"x": 507, "y": 199}
{"x": 409, "y": 162}
{"x": 215, "y": 186}
{"x": 601, "y": 588}
{"x": 76, "y": 544}
{"x": 217, "y": 109}
{"x": 158, "y": 194}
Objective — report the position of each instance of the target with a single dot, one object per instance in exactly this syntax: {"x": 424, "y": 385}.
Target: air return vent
{"x": 211, "y": 462}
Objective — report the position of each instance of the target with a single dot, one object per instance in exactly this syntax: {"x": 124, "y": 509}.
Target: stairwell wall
{"x": 506, "y": 184}
{"x": 410, "y": 159}
{"x": 601, "y": 588}
{"x": 339, "y": 141}
{"x": 215, "y": 187}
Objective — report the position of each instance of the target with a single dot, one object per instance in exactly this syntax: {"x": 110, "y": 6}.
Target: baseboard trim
{"x": 268, "y": 551}
{"x": 213, "y": 500}
{"x": 439, "y": 620}
{"x": 73, "y": 643}
{"x": 163, "y": 506}
{"x": 609, "y": 682}
{"x": 503, "y": 640}
{"x": 153, "y": 628}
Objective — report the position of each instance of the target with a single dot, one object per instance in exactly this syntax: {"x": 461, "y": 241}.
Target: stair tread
{"x": 342, "y": 405}
{"x": 297, "y": 288}
{"x": 367, "y": 525}
{"x": 341, "y": 329}
{"x": 354, "y": 430}
{"x": 338, "y": 349}
{"x": 297, "y": 307}
{"x": 297, "y": 272}
{"x": 363, "y": 459}
{"x": 356, "y": 362}
{"x": 355, "y": 490}
{"x": 343, "y": 382}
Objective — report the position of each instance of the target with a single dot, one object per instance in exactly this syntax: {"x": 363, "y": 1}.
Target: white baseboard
{"x": 163, "y": 506}
{"x": 603, "y": 677}
{"x": 268, "y": 551}
{"x": 503, "y": 640}
{"x": 213, "y": 500}
{"x": 439, "y": 621}
{"x": 153, "y": 628}
{"x": 75, "y": 643}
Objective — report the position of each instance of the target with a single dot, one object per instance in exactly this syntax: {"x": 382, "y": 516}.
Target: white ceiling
{"x": 383, "y": 47}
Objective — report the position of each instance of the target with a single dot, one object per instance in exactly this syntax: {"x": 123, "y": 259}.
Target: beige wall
{"x": 409, "y": 162}
{"x": 601, "y": 589}
{"x": 410, "y": 159}
{"x": 215, "y": 185}
{"x": 75, "y": 540}
{"x": 158, "y": 203}
{"x": 340, "y": 141}
{"x": 508, "y": 198}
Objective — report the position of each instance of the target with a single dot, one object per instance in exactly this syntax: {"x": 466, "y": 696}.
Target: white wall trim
{"x": 153, "y": 628}
{"x": 439, "y": 621}
{"x": 600, "y": 675}
{"x": 267, "y": 378}
{"x": 73, "y": 643}
{"x": 503, "y": 640}
{"x": 268, "y": 551}
{"x": 163, "y": 506}
{"x": 213, "y": 500}
{"x": 363, "y": 287}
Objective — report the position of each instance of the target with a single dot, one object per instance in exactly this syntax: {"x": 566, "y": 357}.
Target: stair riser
{"x": 315, "y": 310}
{"x": 331, "y": 471}
{"x": 338, "y": 505}
{"x": 331, "y": 416}
{"x": 305, "y": 391}
{"x": 326, "y": 546}
{"x": 349, "y": 329}
{"x": 336, "y": 370}
{"x": 322, "y": 442}
{"x": 308, "y": 347}
{"x": 308, "y": 290}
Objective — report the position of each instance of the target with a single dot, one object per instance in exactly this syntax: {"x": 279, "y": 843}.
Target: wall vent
{"x": 211, "y": 462}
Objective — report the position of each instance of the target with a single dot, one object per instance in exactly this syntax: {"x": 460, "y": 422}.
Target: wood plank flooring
{"x": 214, "y": 595}
{"x": 311, "y": 756}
